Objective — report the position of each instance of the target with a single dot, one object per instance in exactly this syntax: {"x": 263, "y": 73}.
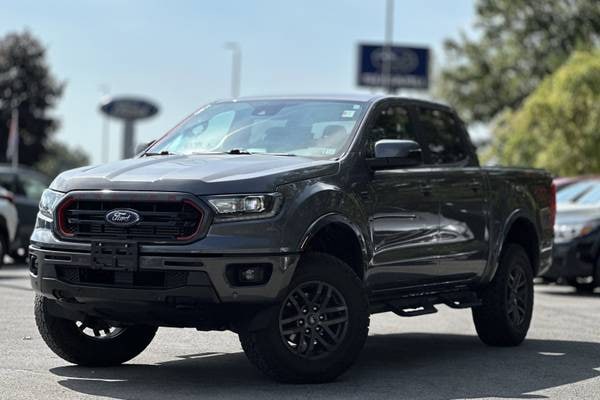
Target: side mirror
{"x": 391, "y": 153}
{"x": 143, "y": 146}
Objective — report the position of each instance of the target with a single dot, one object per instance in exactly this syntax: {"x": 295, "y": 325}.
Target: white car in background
{"x": 9, "y": 222}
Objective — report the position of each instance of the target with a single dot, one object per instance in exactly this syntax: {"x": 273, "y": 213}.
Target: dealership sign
{"x": 394, "y": 67}
{"x": 129, "y": 108}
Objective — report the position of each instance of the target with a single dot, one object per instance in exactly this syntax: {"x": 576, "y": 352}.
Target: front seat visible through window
{"x": 404, "y": 217}
{"x": 460, "y": 190}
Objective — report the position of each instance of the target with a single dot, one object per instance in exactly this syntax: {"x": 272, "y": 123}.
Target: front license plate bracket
{"x": 114, "y": 255}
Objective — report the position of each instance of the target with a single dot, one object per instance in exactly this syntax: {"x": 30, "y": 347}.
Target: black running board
{"x": 414, "y": 306}
{"x": 414, "y": 312}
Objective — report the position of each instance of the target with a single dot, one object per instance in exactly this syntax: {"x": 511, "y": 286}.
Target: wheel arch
{"x": 520, "y": 229}
{"x": 337, "y": 235}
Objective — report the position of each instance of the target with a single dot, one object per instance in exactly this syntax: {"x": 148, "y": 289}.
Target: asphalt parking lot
{"x": 431, "y": 357}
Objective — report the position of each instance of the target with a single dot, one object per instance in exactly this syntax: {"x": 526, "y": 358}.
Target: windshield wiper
{"x": 237, "y": 151}
{"x": 160, "y": 153}
{"x": 280, "y": 154}
{"x": 242, "y": 151}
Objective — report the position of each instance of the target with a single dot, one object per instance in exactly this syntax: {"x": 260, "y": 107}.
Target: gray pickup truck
{"x": 289, "y": 221}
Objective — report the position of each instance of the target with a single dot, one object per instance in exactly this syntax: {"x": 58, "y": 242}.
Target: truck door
{"x": 460, "y": 186}
{"x": 403, "y": 215}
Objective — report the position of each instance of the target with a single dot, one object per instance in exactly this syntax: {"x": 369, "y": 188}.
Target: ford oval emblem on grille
{"x": 122, "y": 217}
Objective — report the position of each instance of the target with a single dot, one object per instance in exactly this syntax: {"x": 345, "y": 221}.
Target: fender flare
{"x": 497, "y": 250}
{"x": 336, "y": 218}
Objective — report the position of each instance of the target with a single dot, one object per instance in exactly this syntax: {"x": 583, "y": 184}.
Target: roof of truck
{"x": 359, "y": 97}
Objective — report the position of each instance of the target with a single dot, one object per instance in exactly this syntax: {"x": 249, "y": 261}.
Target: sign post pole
{"x": 128, "y": 138}
{"x": 389, "y": 39}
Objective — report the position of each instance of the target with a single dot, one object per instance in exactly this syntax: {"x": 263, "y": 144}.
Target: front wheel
{"x": 320, "y": 326}
{"x": 504, "y": 317}
{"x": 92, "y": 343}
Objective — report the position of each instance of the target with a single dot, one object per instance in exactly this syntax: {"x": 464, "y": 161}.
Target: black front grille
{"x": 122, "y": 279}
{"x": 160, "y": 221}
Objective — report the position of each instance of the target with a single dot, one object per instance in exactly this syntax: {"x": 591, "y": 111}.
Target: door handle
{"x": 425, "y": 188}
{"x": 475, "y": 185}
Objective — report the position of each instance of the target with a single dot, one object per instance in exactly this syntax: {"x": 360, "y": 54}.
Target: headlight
{"x": 243, "y": 207}
{"x": 566, "y": 233}
{"x": 48, "y": 202}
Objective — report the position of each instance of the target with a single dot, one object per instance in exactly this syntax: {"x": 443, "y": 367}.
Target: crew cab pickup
{"x": 289, "y": 221}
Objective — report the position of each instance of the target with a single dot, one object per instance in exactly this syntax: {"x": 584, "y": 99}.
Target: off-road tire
{"x": 493, "y": 320}
{"x": 266, "y": 349}
{"x": 64, "y": 338}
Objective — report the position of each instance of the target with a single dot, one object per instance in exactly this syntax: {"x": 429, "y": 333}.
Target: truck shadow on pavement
{"x": 400, "y": 366}
{"x": 573, "y": 294}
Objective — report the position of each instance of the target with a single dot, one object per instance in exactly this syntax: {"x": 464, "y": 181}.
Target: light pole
{"x": 105, "y": 90}
{"x": 236, "y": 67}
{"x": 389, "y": 38}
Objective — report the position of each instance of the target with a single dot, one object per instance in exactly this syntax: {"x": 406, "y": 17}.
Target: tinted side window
{"x": 443, "y": 135}
{"x": 392, "y": 122}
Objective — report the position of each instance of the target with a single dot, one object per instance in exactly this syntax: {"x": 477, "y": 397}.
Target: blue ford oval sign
{"x": 123, "y": 217}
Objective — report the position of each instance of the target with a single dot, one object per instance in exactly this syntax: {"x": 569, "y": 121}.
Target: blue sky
{"x": 172, "y": 51}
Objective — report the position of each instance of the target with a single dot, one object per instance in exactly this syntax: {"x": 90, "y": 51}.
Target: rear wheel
{"x": 92, "y": 343}
{"x": 320, "y": 327}
{"x": 19, "y": 257}
{"x": 504, "y": 317}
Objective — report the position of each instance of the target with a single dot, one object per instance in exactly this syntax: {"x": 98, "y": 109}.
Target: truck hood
{"x": 196, "y": 174}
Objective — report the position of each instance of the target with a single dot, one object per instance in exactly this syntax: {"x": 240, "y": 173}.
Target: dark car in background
{"x": 577, "y": 236}
{"x": 27, "y": 185}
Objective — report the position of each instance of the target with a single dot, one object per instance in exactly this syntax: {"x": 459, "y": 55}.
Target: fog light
{"x": 252, "y": 274}
{"x": 249, "y": 274}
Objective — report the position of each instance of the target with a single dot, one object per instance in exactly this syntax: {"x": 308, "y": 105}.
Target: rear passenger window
{"x": 443, "y": 135}
{"x": 393, "y": 122}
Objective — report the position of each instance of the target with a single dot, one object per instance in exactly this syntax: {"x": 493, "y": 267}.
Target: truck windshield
{"x": 311, "y": 128}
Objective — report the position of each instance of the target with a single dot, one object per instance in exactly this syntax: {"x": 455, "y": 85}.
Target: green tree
{"x": 558, "y": 126}
{"x": 59, "y": 157}
{"x": 518, "y": 43}
{"x": 27, "y": 83}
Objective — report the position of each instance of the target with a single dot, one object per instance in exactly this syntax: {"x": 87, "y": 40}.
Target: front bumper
{"x": 570, "y": 260}
{"x": 198, "y": 278}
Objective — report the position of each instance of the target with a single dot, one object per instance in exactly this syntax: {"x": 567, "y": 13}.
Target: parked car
{"x": 8, "y": 223}
{"x": 577, "y": 236}
{"x": 563, "y": 182}
{"x": 27, "y": 186}
{"x": 289, "y": 221}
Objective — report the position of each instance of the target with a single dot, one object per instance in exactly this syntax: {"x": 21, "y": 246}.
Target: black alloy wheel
{"x": 318, "y": 328}
{"x": 313, "y": 320}
{"x": 516, "y": 296}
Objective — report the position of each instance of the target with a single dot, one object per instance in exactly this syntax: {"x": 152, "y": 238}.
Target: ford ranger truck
{"x": 289, "y": 221}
